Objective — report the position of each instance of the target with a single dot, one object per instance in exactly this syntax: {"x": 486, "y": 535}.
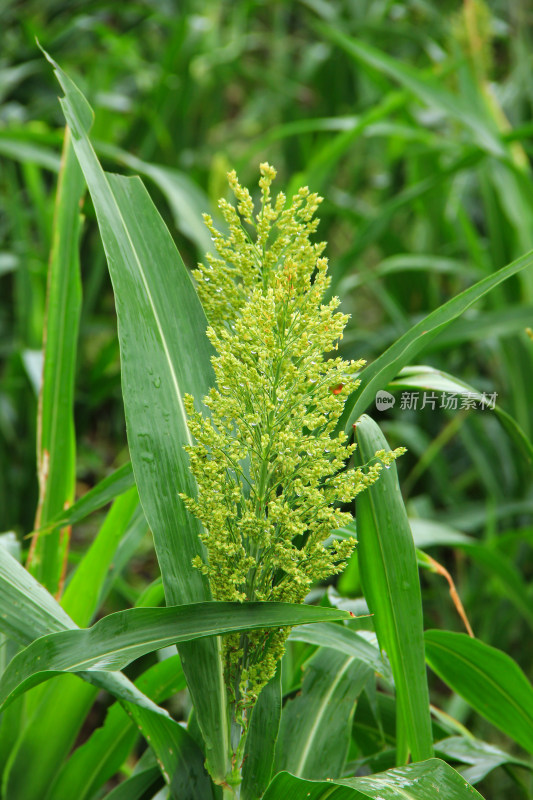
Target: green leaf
{"x": 488, "y": 679}
{"x": 389, "y": 575}
{"x": 185, "y": 198}
{"x": 64, "y": 703}
{"x": 82, "y": 596}
{"x": 423, "y": 781}
{"x": 56, "y": 446}
{"x": 27, "y": 609}
{"x": 482, "y": 757}
{"x": 28, "y": 151}
{"x": 100, "y": 495}
{"x": 423, "y": 377}
{"x": 344, "y": 640}
{"x": 315, "y": 727}
{"x": 67, "y": 701}
{"x": 29, "y": 612}
{"x": 180, "y": 759}
{"x": 428, "y": 88}
{"x": 97, "y": 759}
{"x": 385, "y": 368}
{"x": 11, "y": 720}
{"x": 136, "y": 786}
{"x": 154, "y": 293}
{"x": 261, "y": 740}
{"x": 118, "y": 639}
{"x": 428, "y": 533}
{"x": 128, "y": 546}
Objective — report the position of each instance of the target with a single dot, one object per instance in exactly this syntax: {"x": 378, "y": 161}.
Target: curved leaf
{"x": 28, "y": 612}
{"x": 488, "y": 679}
{"x": 429, "y": 378}
{"x": 481, "y": 757}
{"x": 136, "y": 786}
{"x": 102, "y": 755}
{"x": 344, "y": 640}
{"x": 27, "y": 609}
{"x": 118, "y": 639}
{"x": 426, "y": 780}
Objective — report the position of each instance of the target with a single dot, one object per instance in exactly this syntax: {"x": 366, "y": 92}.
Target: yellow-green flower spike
{"x": 270, "y": 471}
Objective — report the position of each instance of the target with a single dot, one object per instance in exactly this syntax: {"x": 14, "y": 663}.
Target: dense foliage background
{"x": 413, "y": 120}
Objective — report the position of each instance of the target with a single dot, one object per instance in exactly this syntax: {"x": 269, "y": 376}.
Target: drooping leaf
{"x": 68, "y": 700}
{"x": 102, "y": 755}
{"x": 423, "y": 377}
{"x": 344, "y": 640}
{"x": 179, "y": 757}
{"x": 42, "y": 614}
{"x": 27, "y": 609}
{"x": 481, "y": 757}
{"x": 385, "y": 368}
{"x": 29, "y": 612}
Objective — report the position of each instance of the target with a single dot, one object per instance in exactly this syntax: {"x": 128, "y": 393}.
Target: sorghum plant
{"x": 271, "y": 468}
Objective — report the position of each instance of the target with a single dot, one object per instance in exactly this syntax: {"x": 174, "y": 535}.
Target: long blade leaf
{"x": 391, "y": 586}
{"x": 155, "y": 297}
{"x": 56, "y": 447}
{"x": 118, "y": 639}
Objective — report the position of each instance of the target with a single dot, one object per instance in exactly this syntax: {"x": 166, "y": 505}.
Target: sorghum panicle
{"x": 270, "y": 469}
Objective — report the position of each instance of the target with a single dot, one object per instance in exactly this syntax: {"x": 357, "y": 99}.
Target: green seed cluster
{"x": 270, "y": 471}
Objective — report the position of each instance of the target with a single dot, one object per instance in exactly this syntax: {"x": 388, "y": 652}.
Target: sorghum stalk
{"x": 271, "y": 472}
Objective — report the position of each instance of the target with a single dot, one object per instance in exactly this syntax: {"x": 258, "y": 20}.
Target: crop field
{"x": 266, "y": 400}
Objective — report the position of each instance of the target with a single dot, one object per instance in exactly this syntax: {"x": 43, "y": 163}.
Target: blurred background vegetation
{"x": 412, "y": 119}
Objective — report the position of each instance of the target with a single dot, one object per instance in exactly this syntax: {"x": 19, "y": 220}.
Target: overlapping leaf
{"x": 118, "y": 639}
